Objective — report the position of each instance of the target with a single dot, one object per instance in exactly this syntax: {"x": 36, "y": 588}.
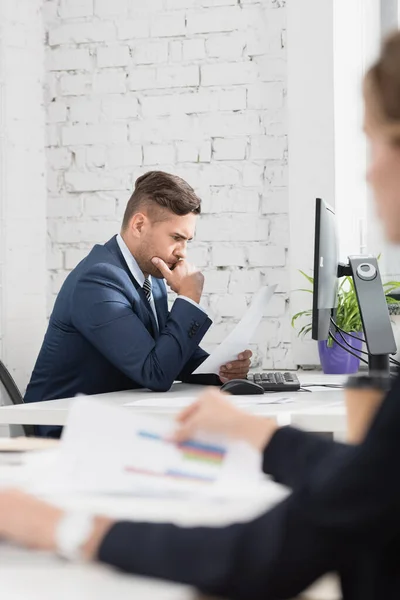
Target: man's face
{"x": 384, "y": 177}
{"x": 166, "y": 239}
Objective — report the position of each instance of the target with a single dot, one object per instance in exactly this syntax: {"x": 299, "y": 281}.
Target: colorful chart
{"x": 171, "y": 474}
{"x": 192, "y": 450}
{"x": 195, "y": 461}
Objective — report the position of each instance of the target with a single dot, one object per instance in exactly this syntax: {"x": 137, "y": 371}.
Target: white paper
{"x": 184, "y": 401}
{"x": 164, "y": 401}
{"x": 24, "y": 444}
{"x": 107, "y": 449}
{"x": 241, "y": 336}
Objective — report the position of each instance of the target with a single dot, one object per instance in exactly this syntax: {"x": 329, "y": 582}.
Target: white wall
{"x": 191, "y": 86}
{"x": 311, "y": 132}
{"x": 327, "y": 148}
{"x": 22, "y": 186}
{"x": 389, "y": 12}
{"x": 355, "y": 44}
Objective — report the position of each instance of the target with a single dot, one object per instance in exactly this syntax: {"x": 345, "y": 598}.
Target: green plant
{"x": 347, "y": 315}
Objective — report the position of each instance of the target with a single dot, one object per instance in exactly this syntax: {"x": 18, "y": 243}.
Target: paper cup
{"x": 361, "y": 406}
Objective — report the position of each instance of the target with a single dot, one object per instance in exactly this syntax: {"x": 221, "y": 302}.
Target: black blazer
{"x": 343, "y": 516}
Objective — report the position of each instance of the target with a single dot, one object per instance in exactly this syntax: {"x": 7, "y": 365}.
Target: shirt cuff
{"x": 193, "y": 302}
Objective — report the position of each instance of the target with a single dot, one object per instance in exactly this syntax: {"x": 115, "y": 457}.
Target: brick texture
{"x": 23, "y": 237}
{"x": 192, "y": 86}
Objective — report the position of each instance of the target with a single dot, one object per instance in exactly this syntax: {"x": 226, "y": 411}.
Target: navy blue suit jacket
{"x": 103, "y": 337}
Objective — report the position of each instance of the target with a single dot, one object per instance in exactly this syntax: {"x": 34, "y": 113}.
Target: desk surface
{"x": 26, "y": 575}
{"x": 32, "y": 576}
{"x": 320, "y": 410}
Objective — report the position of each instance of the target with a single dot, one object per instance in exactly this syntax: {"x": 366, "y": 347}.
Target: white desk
{"x": 321, "y": 411}
{"x": 33, "y": 576}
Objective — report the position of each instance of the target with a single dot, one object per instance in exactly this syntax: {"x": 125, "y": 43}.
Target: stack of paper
{"x": 26, "y": 444}
{"x": 105, "y": 449}
{"x": 13, "y": 450}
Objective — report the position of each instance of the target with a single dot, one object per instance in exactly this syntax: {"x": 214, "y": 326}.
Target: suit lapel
{"x": 112, "y": 245}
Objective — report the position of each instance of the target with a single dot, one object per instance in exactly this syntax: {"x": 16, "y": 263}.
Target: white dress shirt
{"x": 139, "y": 276}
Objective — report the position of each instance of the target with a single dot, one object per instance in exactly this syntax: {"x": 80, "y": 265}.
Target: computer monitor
{"x": 377, "y": 327}
{"x": 326, "y": 260}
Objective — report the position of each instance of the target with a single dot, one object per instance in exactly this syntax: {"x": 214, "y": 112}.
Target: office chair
{"x": 15, "y": 396}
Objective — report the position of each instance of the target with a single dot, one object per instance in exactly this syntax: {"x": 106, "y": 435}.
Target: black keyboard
{"x": 276, "y": 382}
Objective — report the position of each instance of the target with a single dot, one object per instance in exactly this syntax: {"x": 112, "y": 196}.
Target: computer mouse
{"x": 241, "y": 387}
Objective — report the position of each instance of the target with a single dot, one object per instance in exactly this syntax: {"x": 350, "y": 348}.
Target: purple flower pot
{"x": 336, "y": 360}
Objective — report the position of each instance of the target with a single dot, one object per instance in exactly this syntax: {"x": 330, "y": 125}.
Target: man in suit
{"x": 110, "y": 329}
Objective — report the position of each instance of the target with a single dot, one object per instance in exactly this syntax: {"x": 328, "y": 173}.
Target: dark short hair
{"x": 158, "y": 189}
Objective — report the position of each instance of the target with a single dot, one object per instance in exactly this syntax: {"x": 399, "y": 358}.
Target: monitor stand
{"x": 375, "y": 318}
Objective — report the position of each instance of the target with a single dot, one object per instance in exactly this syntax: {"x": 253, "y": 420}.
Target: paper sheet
{"x": 25, "y": 444}
{"x": 106, "y": 449}
{"x": 241, "y": 336}
{"x": 184, "y": 401}
{"x": 163, "y": 402}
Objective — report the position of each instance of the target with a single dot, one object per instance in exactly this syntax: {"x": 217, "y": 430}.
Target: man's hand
{"x": 236, "y": 369}
{"x": 185, "y": 279}
{"x": 213, "y": 413}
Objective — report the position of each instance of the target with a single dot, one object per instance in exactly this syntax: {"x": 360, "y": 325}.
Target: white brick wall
{"x": 196, "y": 87}
{"x": 23, "y": 237}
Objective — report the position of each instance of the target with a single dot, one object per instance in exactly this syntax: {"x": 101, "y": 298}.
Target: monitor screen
{"x": 326, "y": 258}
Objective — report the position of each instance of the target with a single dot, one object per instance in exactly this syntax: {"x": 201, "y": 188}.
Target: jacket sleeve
{"x": 243, "y": 561}
{"x": 292, "y": 454}
{"x": 347, "y": 508}
{"x": 197, "y": 358}
{"x": 104, "y": 315}
{"x": 277, "y": 555}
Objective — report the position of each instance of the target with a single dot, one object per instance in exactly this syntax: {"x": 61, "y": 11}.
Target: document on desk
{"x": 26, "y": 444}
{"x": 184, "y": 401}
{"x": 241, "y": 336}
{"x": 107, "y": 449}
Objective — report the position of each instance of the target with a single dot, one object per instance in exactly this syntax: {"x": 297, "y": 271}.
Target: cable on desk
{"x": 347, "y": 349}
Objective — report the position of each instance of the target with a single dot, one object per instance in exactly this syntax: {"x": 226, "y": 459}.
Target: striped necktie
{"x": 147, "y": 288}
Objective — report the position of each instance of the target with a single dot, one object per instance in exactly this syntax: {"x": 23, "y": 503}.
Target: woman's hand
{"x": 213, "y": 413}
{"x": 27, "y": 521}
{"x": 30, "y": 522}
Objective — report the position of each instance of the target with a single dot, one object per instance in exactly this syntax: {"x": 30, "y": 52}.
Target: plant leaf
{"x": 301, "y": 314}
{"x": 308, "y": 277}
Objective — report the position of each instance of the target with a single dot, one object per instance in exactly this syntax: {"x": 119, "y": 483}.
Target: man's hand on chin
{"x": 236, "y": 369}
